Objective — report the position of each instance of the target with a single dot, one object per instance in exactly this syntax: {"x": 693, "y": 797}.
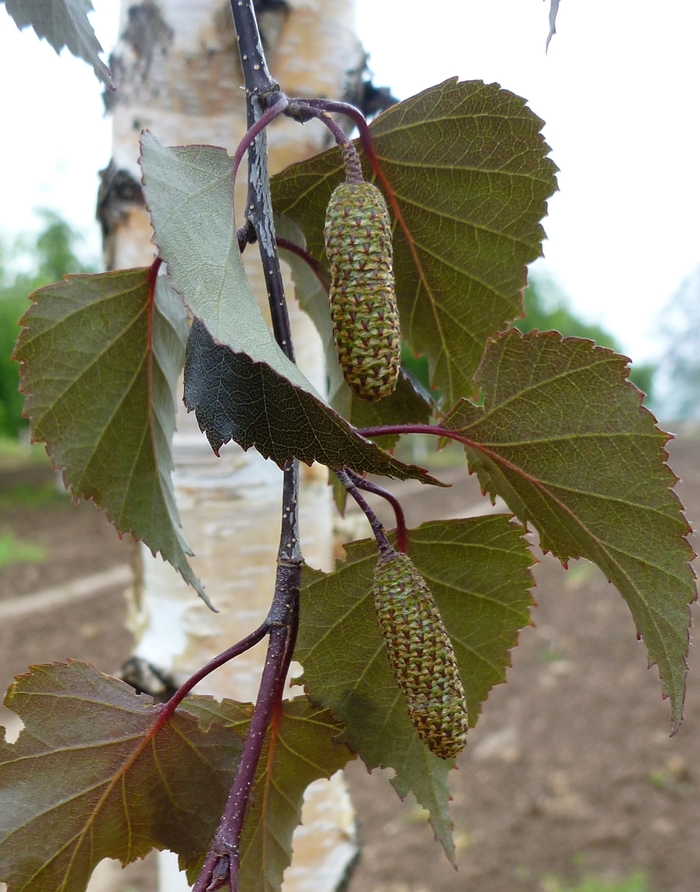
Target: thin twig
{"x": 281, "y": 623}
{"x": 256, "y": 75}
{"x": 259, "y": 213}
{"x": 374, "y": 521}
{"x": 375, "y": 489}
{"x": 301, "y": 111}
{"x": 302, "y": 106}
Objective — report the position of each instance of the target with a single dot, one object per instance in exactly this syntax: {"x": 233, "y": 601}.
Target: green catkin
{"x": 362, "y": 296}
{"x": 421, "y": 654}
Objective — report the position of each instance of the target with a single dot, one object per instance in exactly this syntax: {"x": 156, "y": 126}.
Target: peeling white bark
{"x": 178, "y": 75}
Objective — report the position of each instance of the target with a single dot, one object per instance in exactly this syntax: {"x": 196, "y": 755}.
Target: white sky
{"x": 619, "y": 90}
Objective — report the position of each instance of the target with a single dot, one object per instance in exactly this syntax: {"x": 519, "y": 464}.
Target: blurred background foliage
{"x": 27, "y": 263}
{"x": 548, "y": 309}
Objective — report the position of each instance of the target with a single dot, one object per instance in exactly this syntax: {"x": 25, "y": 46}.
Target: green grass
{"x": 31, "y": 495}
{"x": 636, "y": 882}
{"x": 13, "y": 551}
{"x": 14, "y": 451}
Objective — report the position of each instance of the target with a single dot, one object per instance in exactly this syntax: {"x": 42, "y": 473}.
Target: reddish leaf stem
{"x": 152, "y": 277}
{"x": 266, "y": 118}
{"x": 300, "y": 106}
{"x": 374, "y": 521}
{"x": 168, "y": 709}
{"x": 375, "y": 489}
{"x": 303, "y": 110}
{"x": 309, "y": 259}
{"x": 434, "y": 430}
{"x": 264, "y": 102}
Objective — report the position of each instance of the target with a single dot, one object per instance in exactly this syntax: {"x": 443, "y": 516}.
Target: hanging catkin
{"x": 362, "y": 296}
{"x": 421, "y": 654}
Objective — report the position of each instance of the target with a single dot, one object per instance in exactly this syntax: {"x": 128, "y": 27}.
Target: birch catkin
{"x": 362, "y": 296}
{"x": 421, "y": 654}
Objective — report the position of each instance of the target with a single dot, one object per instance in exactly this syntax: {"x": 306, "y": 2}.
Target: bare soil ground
{"x": 570, "y": 772}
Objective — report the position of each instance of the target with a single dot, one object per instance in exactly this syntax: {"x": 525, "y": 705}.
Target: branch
{"x": 256, "y": 76}
{"x": 222, "y": 862}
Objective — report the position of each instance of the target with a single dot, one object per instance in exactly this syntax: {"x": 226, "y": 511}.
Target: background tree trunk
{"x": 177, "y": 72}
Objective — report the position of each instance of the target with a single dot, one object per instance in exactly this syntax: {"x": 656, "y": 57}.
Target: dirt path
{"x": 570, "y": 772}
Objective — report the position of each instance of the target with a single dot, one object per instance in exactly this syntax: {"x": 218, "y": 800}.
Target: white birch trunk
{"x": 178, "y": 75}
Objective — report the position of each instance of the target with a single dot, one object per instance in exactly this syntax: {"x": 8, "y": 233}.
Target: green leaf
{"x": 469, "y": 174}
{"x": 562, "y": 437}
{"x": 236, "y": 398}
{"x": 299, "y": 749}
{"x": 478, "y": 572}
{"x": 62, "y": 23}
{"x": 100, "y": 360}
{"x": 88, "y": 780}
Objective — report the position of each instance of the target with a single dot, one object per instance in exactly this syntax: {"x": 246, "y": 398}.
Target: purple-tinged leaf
{"x": 563, "y": 438}
{"x": 478, "y": 572}
{"x": 87, "y": 779}
{"x": 101, "y": 356}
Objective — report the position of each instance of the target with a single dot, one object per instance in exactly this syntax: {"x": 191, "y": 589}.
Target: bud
{"x": 421, "y": 655}
{"x": 362, "y": 296}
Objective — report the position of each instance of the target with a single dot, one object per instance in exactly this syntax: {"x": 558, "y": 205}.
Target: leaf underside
{"x": 100, "y": 358}
{"x": 238, "y": 399}
{"x": 85, "y": 782}
{"x": 88, "y": 779}
{"x": 478, "y": 572}
{"x": 469, "y": 172}
{"x": 64, "y": 23}
{"x": 563, "y": 439}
